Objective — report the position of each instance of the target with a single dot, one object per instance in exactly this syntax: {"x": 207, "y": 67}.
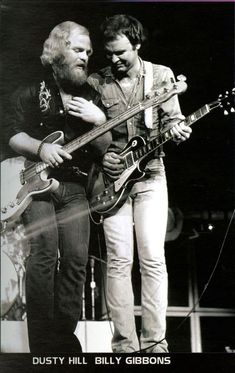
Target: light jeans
{"x": 146, "y": 211}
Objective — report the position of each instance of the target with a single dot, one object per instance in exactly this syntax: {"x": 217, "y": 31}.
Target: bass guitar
{"x": 21, "y": 179}
{"x": 107, "y": 196}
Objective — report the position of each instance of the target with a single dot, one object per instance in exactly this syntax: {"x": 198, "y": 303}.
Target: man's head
{"x": 122, "y": 36}
{"x": 67, "y": 51}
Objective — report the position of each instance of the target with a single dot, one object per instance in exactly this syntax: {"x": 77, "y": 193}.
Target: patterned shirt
{"x": 115, "y": 102}
{"x": 38, "y": 110}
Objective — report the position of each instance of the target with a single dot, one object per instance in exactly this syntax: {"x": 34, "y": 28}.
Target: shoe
{"x": 125, "y": 351}
{"x": 158, "y": 349}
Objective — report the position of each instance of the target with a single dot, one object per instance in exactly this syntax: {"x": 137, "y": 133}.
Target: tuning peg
{"x": 232, "y": 110}
{"x": 225, "y": 112}
{"x": 182, "y": 78}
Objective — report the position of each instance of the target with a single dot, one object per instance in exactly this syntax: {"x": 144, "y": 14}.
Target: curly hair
{"x": 57, "y": 42}
{"x": 122, "y": 24}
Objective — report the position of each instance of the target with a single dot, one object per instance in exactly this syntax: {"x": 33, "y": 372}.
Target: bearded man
{"x": 57, "y": 223}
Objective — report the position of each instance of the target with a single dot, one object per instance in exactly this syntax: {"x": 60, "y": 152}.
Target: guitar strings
{"x": 31, "y": 170}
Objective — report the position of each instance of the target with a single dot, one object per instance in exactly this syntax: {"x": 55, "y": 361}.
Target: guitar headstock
{"x": 180, "y": 86}
{"x": 168, "y": 90}
{"x": 226, "y": 101}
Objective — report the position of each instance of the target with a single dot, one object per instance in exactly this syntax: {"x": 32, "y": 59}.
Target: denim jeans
{"x": 145, "y": 211}
{"x": 57, "y": 225}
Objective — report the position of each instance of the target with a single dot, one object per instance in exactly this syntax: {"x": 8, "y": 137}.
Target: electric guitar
{"x": 107, "y": 196}
{"x": 21, "y": 179}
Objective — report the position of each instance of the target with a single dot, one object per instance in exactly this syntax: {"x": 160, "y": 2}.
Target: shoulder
{"x": 162, "y": 73}
{"x": 161, "y": 69}
{"x": 25, "y": 92}
{"x": 98, "y": 78}
{"x": 34, "y": 87}
{"x": 35, "y": 95}
{"x": 90, "y": 93}
{"x": 42, "y": 80}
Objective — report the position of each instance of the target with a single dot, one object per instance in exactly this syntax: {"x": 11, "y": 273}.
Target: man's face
{"x": 121, "y": 54}
{"x": 73, "y": 70}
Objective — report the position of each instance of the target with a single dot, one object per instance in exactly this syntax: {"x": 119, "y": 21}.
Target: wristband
{"x": 40, "y": 148}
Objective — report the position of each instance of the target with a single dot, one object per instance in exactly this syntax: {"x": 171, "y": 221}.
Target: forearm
{"x": 24, "y": 144}
{"x": 102, "y": 143}
{"x": 170, "y": 109}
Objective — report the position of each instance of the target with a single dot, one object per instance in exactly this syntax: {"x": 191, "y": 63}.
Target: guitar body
{"x": 107, "y": 195}
{"x": 21, "y": 179}
{"x": 17, "y": 190}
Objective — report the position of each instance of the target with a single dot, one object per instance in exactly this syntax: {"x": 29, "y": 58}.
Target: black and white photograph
{"x": 117, "y": 186}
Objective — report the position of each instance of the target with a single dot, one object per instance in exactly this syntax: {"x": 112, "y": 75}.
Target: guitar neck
{"x": 107, "y": 126}
{"x": 152, "y": 145}
{"x": 98, "y": 131}
{"x": 143, "y": 151}
{"x": 158, "y": 98}
{"x": 189, "y": 120}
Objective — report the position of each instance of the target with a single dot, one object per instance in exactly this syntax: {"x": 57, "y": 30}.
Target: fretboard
{"x": 158, "y": 141}
{"x": 98, "y": 131}
{"x": 158, "y": 98}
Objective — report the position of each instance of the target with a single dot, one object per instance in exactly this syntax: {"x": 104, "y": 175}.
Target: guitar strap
{"x": 148, "y": 85}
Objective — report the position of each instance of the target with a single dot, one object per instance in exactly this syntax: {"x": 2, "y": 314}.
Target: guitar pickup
{"x": 22, "y": 180}
{"x": 129, "y": 160}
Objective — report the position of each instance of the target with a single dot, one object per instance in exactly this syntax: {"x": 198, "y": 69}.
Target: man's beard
{"x": 70, "y": 78}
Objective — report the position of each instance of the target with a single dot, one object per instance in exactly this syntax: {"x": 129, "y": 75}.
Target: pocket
{"x": 111, "y": 106}
{"x": 58, "y": 194}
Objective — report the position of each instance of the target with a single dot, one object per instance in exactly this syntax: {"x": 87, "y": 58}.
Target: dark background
{"x": 194, "y": 39}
